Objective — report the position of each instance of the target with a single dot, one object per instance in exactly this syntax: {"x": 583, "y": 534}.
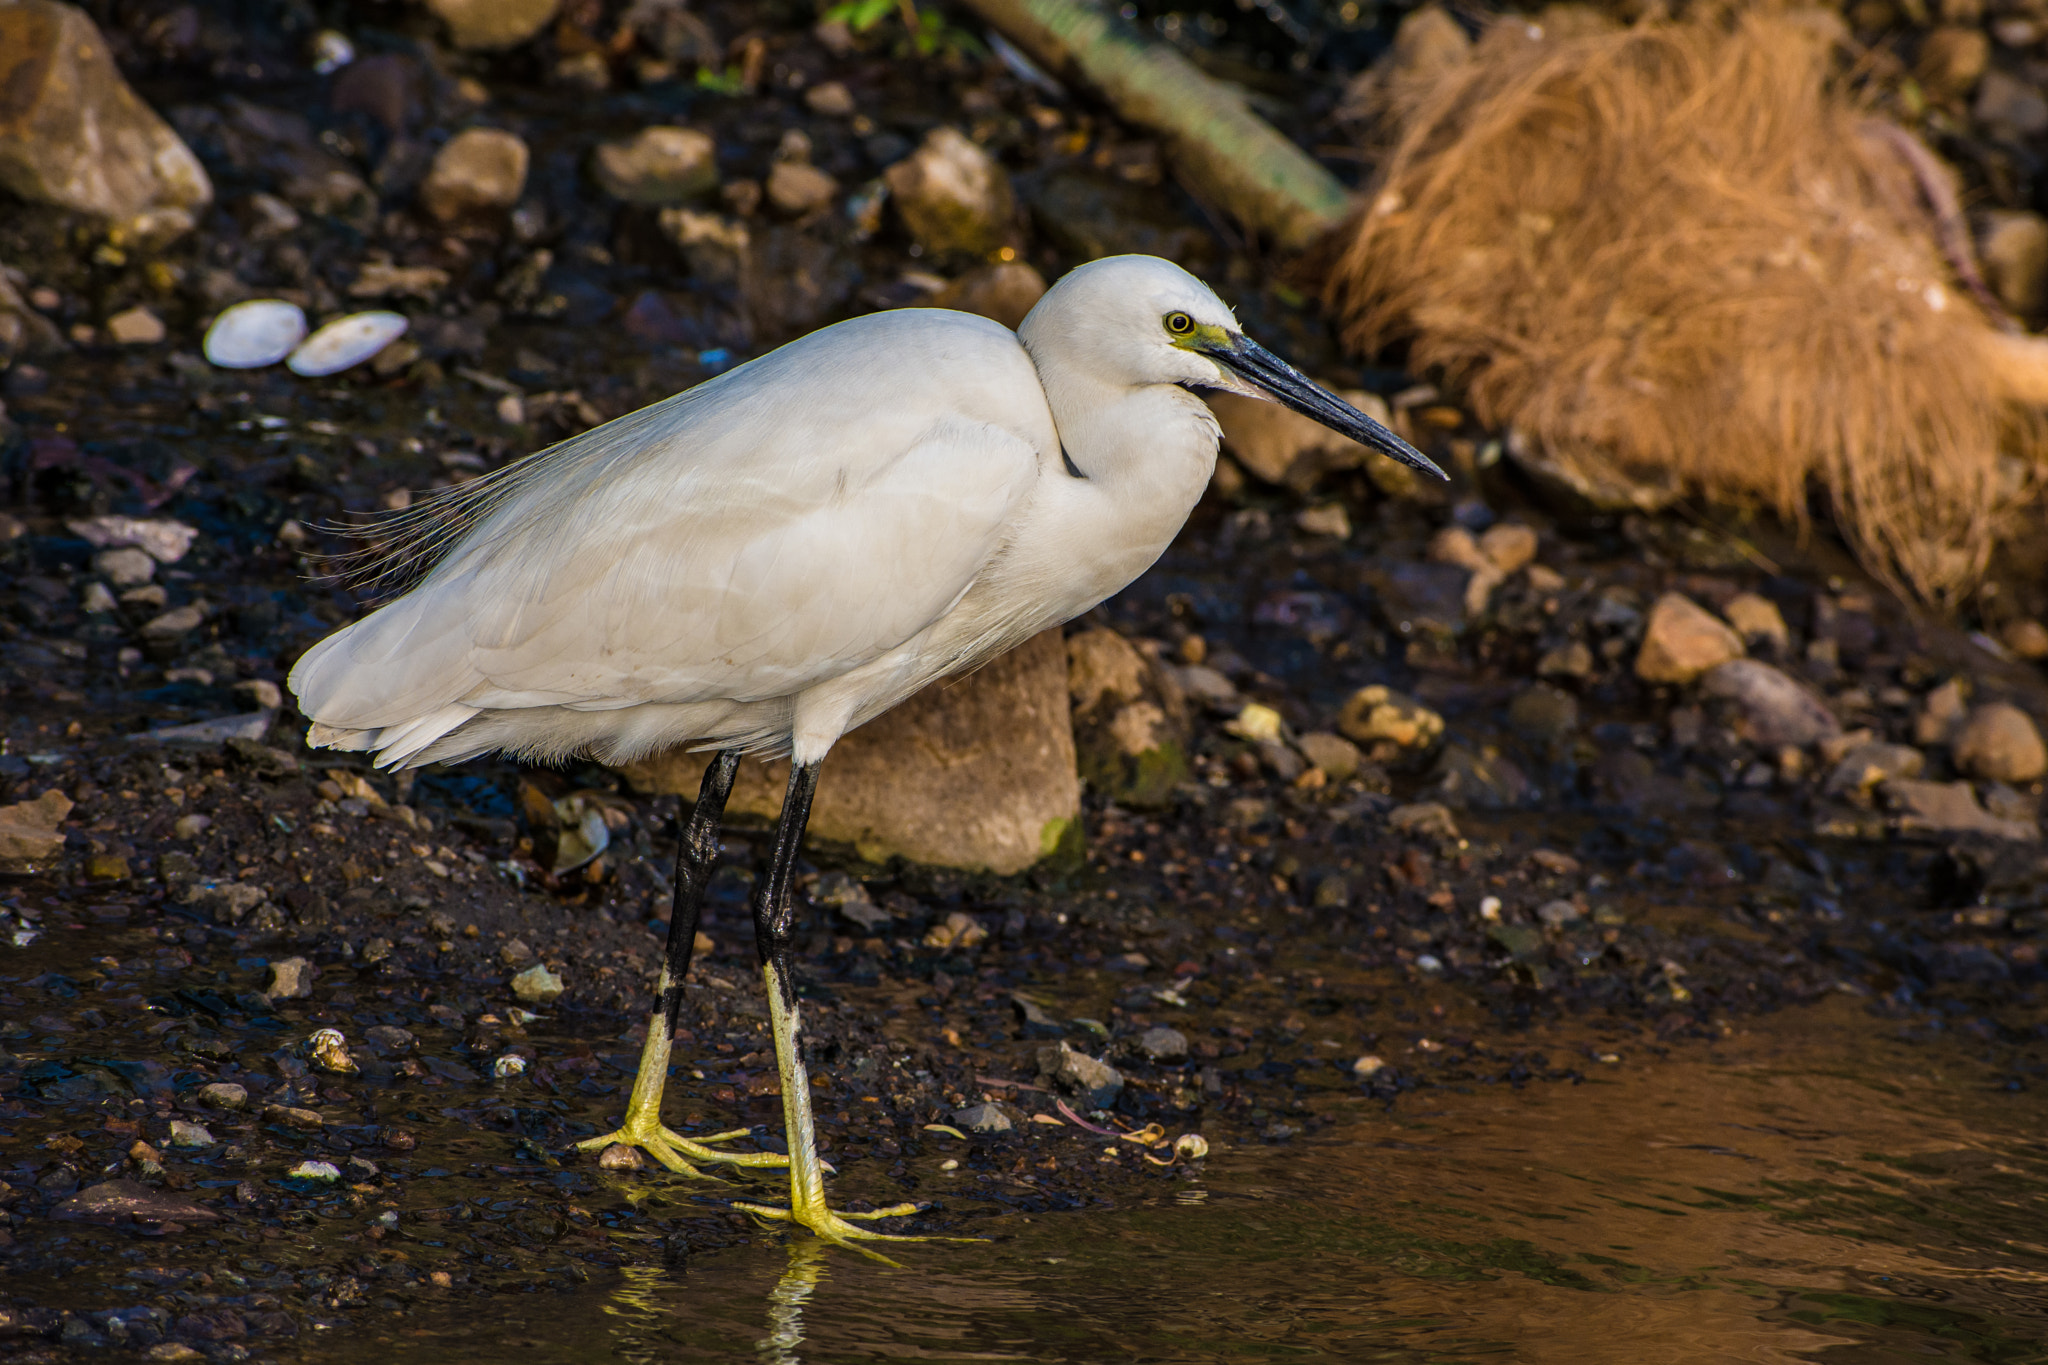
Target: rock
{"x": 1005, "y": 292}
{"x": 830, "y": 98}
{"x": 106, "y": 867}
{"x": 226, "y": 902}
{"x": 249, "y": 726}
{"x": 1367, "y": 1067}
{"x": 797, "y": 188}
{"x": 982, "y": 1118}
{"x": 716, "y": 248}
{"x": 73, "y": 134}
{"x": 291, "y": 978}
{"x": 1102, "y": 666}
{"x": 124, "y": 1201}
{"x": 620, "y": 1157}
{"x": 1544, "y": 714}
{"x": 2012, "y": 107}
{"x": 135, "y": 327}
{"x": 1383, "y": 720}
{"x": 952, "y": 195}
{"x": 480, "y": 170}
{"x": 1941, "y": 715}
{"x": 1758, "y": 620}
{"x": 1095, "y": 1083}
{"x": 2012, "y": 246}
{"x": 1683, "y": 640}
{"x": 1281, "y": 446}
{"x": 175, "y": 622}
{"x": 23, "y": 330}
{"x": 30, "y": 840}
{"x": 1480, "y": 779}
{"x": 487, "y": 25}
{"x": 2000, "y": 743}
{"x": 1949, "y": 808}
{"x": 1163, "y": 1044}
{"x": 537, "y": 985}
{"x": 958, "y": 930}
{"x": 515, "y": 952}
{"x": 1509, "y": 546}
{"x": 1952, "y": 60}
{"x": 1866, "y": 766}
{"x": 1433, "y": 599}
{"x": 2027, "y": 639}
{"x": 224, "y": 1095}
{"x": 1337, "y": 756}
{"x": 972, "y": 773}
{"x": 1572, "y": 659}
{"x": 327, "y": 1048}
{"x": 1774, "y": 709}
{"x": 188, "y": 1134}
{"x": 191, "y": 826}
{"x": 1423, "y": 820}
{"x": 1558, "y": 913}
{"x": 659, "y": 165}
{"x": 127, "y": 567}
{"x": 321, "y": 1172}
{"x": 305, "y": 1120}
{"x": 164, "y": 540}
{"x": 1329, "y": 519}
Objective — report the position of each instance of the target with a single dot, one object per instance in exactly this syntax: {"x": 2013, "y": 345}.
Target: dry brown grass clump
{"x": 1687, "y": 250}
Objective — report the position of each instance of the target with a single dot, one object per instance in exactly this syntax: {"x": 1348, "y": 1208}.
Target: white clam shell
{"x": 345, "y": 342}
{"x": 253, "y": 334}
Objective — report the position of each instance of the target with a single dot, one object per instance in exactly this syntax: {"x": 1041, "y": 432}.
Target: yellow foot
{"x": 675, "y": 1151}
{"x": 840, "y": 1229}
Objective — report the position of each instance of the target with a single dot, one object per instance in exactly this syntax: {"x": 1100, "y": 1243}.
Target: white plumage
{"x": 787, "y": 550}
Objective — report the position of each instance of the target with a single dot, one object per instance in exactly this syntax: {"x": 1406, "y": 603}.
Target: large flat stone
{"x": 976, "y": 772}
{"x": 72, "y": 132}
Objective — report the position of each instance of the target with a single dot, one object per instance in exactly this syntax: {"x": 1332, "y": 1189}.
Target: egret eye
{"x": 1180, "y": 324}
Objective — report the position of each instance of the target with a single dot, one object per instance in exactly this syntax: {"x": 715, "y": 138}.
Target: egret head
{"x": 1141, "y": 320}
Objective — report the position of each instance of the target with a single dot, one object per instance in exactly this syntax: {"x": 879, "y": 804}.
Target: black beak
{"x": 1290, "y": 386}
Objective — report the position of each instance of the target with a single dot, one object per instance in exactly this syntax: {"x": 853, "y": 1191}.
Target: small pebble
{"x": 328, "y": 1050}
{"x": 224, "y": 1095}
{"x": 1191, "y": 1146}
{"x": 1164, "y": 1044}
{"x": 136, "y": 327}
{"x": 983, "y": 1118}
{"x": 620, "y": 1157}
{"x": 314, "y": 1170}
{"x": 537, "y": 986}
{"x": 188, "y": 1134}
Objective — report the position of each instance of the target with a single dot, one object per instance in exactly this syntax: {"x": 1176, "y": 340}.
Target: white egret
{"x": 763, "y": 562}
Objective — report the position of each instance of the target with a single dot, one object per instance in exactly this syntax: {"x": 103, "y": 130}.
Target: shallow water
{"x": 1812, "y": 1188}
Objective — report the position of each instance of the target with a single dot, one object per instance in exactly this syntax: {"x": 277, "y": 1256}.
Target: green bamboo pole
{"x": 1221, "y": 149}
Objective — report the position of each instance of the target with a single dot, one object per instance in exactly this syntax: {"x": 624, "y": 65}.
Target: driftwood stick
{"x": 1222, "y": 151}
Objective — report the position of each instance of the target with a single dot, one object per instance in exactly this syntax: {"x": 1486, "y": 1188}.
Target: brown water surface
{"x": 1812, "y": 1188}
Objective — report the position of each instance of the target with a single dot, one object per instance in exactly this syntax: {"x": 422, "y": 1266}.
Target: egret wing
{"x": 700, "y": 550}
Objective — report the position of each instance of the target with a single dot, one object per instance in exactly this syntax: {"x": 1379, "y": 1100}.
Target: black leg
{"x": 696, "y": 859}
{"x": 774, "y": 917}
